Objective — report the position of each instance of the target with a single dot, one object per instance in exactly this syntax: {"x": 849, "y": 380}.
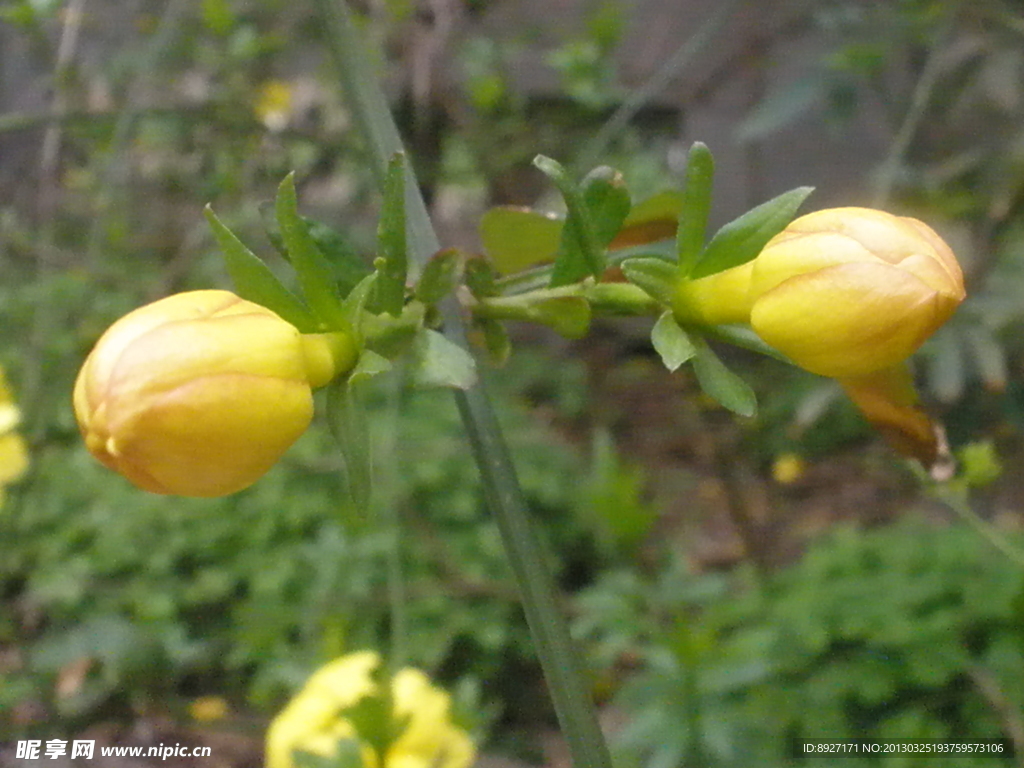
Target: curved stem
{"x": 660, "y": 80}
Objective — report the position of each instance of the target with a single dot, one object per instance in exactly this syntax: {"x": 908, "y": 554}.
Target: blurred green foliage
{"x": 114, "y": 600}
{"x": 911, "y": 631}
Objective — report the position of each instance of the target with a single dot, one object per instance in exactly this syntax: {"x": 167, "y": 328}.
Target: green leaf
{"x": 348, "y": 266}
{"x": 314, "y": 271}
{"x": 671, "y": 342}
{"x": 663, "y": 206}
{"x": 370, "y": 364}
{"x": 650, "y": 221}
{"x": 519, "y": 238}
{"x": 480, "y": 277}
{"x": 743, "y": 238}
{"x": 354, "y": 305}
{"x": 255, "y": 282}
{"x": 392, "y": 261}
{"x": 495, "y": 339}
{"x": 438, "y": 362}
{"x": 439, "y": 275}
{"x": 580, "y": 252}
{"x": 346, "y": 263}
{"x": 720, "y": 383}
{"x": 693, "y": 218}
{"x": 567, "y": 315}
{"x": 607, "y": 199}
{"x": 350, "y": 425}
{"x": 657, "y": 277}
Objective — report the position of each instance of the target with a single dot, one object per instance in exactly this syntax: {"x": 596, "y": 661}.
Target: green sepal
{"x": 580, "y": 252}
{"x": 350, "y": 426}
{"x": 693, "y": 216}
{"x": 347, "y": 265}
{"x": 374, "y": 717}
{"x": 480, "y": 278}
{"x": 315, "y": 275}
{"x": 438, "y": 362}
{"x": 657, "y": 277}
{"x": 392, "y": 259}
{"x": 519, "y": 238}
{"x": 743, "y": 238}
{"x": 720, "y": 383}
{"x": 671, "y": 342}
{"x": 353, "y": 306}
{"x": 254, "y": 281}
{"x": 440, "y": 274}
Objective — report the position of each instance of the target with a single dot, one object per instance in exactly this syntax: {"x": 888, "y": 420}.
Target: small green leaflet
{"x": 389, "y": 291}
{"x": 693, "y": 217}
{"x": 671, "y": 342}
{"x": 438, "y": 362}
{"x": 607, "y": 200}
{"x": 519, "y": 238}
{"x": 743, "y": 238}
{"x": 315, "y": 275}
{"x": 657, "y": 277}
{"x": 351, "y": 428}
{"x": 440, "y": 274}
{"x": 255, "y": 282}
{"x": 720, "y": 383}
{"x": 580, "y": 252}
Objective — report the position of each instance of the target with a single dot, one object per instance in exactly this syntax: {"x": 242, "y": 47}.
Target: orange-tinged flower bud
{"x": 200, "y": 393}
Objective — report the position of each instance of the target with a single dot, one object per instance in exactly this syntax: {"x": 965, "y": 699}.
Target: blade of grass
{"x": 576, "y": 713}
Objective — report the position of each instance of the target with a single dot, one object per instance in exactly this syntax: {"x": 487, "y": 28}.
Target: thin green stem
{"x": 919, "y": 100}
{"x": 954, "y": 496}
{"x": 576, "y": 712}
{"x": 660, "y": 80}
{"x": 124, "y": 126}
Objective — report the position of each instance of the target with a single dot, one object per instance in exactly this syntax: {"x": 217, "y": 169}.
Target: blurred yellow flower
{"x": 788, "y": 468}
{"x": 322, "y": 714}
{"x": 274, "y": 104}
{"x": 13, "y": 452}
{"x": 208, "y": 709}
{"x": 200, "y": 393}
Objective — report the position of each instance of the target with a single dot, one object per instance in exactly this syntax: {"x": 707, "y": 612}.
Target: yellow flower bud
{"x": 847, "y": 293}
{"x": 842, "y": 292}
{"x": 200, "y": 393}
{"x": 314, "y": 721}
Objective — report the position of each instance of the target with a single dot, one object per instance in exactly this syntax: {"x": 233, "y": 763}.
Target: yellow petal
{"x": 851, "y": 319}
{"x": 211, "y": 436}
{"x": 888, "y": 400}
{"x": 795, "y": 253}
{"x": 13, "y": 458}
